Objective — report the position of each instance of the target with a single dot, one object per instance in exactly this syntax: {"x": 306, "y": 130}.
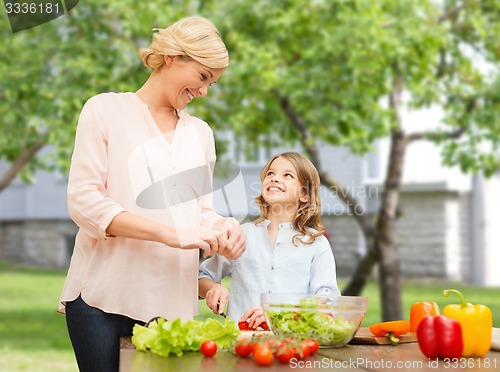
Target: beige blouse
{"x": 122, "y": 162}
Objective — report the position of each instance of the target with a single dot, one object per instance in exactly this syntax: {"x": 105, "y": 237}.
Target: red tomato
{"x": 301, "y": 351}
{"x": 262, "y": 355}
{"x": 264, "y": 326}
{"x": 243, "y": 326}
{"x": 313, "y": 346}
{"x": 277, "y": 346}
{"x": 306, "y": 351}
{"x": 208, "y": 348}
{"x": 253, "y": 345}
{"x": 284, "y": 354}
{"x": 271, "y": 343}
{"x": 244, "y": 349}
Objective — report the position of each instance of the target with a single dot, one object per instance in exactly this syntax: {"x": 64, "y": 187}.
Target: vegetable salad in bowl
{"x": 331, "y": 320}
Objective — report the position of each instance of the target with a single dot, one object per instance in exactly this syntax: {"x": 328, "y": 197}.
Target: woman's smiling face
{"x": 187, "y": 79}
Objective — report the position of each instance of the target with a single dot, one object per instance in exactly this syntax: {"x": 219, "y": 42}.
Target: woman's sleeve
{"x": 323, "y": 270}
{"x": 88, "y": 203}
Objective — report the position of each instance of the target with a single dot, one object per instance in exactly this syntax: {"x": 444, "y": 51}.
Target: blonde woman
{"x": 139, "y": 190}
{"x": 286, "y": 249}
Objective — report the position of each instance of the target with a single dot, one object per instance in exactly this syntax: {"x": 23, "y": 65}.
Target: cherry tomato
{"x": 262, "y": 355}
{"x": 271, "y": 343}
{"x": 208, "y": 348}
{"x": 301, "y": 351}
{"x": 306, "y": 351}
{"x": 264, "y": 326}
{"x": 313, "y": 346}
{"x": 243, "y": 326}
{"x": 253, "y": 345}
{"x": 284, "y": 353}
{"x": 244, "y": 349}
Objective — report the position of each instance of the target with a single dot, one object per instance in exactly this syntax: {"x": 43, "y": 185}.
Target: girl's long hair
{"x": 308, "y": 214}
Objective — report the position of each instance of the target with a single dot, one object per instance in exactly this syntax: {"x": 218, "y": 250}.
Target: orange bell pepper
{"x": 392, "y": 329}
{"x": 419, "y": 310}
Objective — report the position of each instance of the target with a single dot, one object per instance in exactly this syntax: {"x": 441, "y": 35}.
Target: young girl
{"x": 286, "y": 249}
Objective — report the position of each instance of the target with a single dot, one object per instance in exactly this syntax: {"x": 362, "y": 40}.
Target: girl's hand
{"x": 255, "y": 317}
{"x": 217, "y": 298}
{"x": 233, "y": 233}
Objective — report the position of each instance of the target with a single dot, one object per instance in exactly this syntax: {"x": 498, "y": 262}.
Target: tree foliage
{"x": 337, "y": 61}
{"x": 48, "y": 72}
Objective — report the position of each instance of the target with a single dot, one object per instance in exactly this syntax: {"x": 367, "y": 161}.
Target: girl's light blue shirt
{"x": 262, "y": 268}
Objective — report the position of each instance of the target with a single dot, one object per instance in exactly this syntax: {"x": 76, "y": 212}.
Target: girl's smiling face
{"x": 281, "y": 185}
{"x": 186, "y": 80}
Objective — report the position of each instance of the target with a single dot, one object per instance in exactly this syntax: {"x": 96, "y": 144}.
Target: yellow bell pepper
{"x": 476, "y": 322}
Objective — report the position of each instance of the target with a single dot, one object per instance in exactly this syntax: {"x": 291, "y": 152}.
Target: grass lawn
{"x": 33, "y": 335}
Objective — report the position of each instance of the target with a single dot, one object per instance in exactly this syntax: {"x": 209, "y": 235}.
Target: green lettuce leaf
{"x": 311, "y": 324}
{"x": 166, "y": 338}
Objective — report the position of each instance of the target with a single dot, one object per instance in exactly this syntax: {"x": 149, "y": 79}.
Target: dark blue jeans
{"x": 95, "y": 336}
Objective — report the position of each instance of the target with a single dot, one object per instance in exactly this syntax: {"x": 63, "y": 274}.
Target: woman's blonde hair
{"x": 193, "y": 38}
{"x": 309, "y": 212}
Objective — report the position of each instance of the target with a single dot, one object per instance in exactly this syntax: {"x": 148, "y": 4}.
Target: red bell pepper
{"x": 440, "y": 337}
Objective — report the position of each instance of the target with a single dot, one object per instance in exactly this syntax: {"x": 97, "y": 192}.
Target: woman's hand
{"x": 233, "y": 233}
{"x": 255, "y": 317}
{"x": 217, "y": 298}
{"x": 210, "y": 241}
{"x": 128, "y": 225}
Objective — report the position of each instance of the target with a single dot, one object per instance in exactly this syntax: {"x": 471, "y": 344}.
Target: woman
{"x": 140, "y": 191}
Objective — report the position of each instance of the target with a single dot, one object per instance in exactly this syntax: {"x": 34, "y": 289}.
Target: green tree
{"x": 309, "y": 72}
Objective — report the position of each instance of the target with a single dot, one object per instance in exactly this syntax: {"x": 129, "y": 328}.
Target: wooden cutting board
{"x": 364, "y": 336}
{"x": 495, "y": 339}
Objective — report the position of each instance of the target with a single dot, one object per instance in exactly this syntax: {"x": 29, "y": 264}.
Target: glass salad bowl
{"x": 331, "y": 320}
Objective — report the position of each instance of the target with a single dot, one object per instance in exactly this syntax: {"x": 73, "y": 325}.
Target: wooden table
{"x": 404, "y": 357}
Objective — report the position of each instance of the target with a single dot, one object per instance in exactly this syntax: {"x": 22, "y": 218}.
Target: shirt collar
{"x": 283, "y": 225}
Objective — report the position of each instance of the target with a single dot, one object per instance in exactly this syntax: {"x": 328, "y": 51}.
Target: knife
{"x": 223, "y": 314}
